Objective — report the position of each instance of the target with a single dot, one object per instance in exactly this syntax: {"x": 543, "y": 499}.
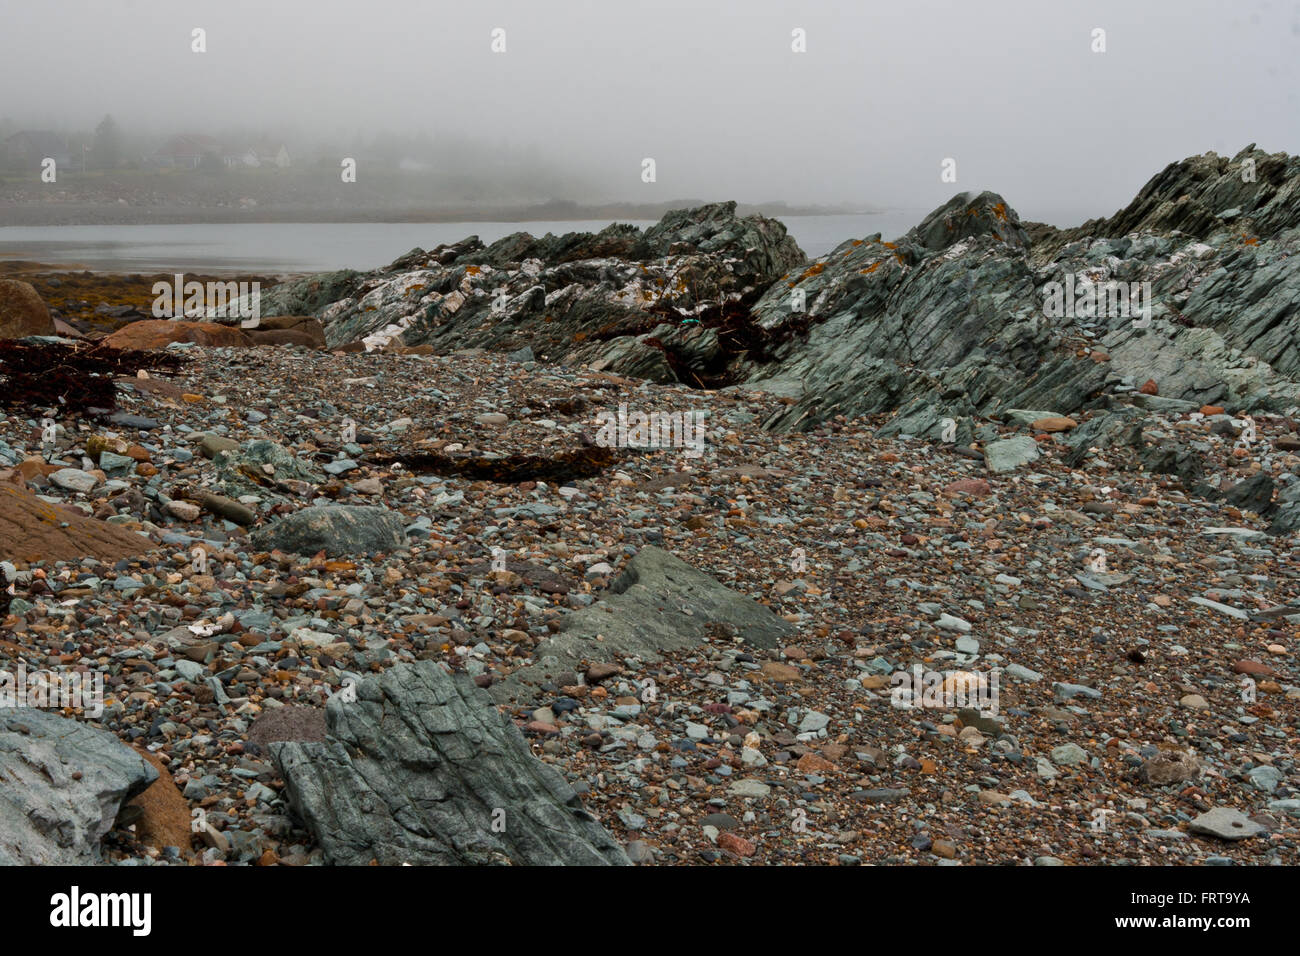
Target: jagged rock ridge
{"x": 948, "y": 320}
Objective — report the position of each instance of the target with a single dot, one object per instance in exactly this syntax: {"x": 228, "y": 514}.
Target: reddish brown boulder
{"x": 288, "y": 330}
{"x": 34, "y": 530}
{"x": 160, "y": 333}
{"x": 284, "y": 337}
{"x": 164, "y": 814}
{"x": 814, "y": 763}
{"x": 22, "y": 311}
{"x": 279, "y": 323}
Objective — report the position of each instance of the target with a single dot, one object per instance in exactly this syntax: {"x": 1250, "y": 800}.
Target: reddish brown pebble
{"x": 735, "y": 844}
{"x": 1253, "y": 667}
{"x": 969, "y": 486}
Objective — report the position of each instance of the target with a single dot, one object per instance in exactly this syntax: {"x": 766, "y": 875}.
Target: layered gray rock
{"x": 310, "y": 294}
{"x": 422, "y": 768}
{"x": 956, "y": 311}
{"x": 551, "y": 293}
{"x": 1198, "y": 196}
{"x": 613, "y": 298}
{"x": 659, "y": 603}
{"x": 956, "y": 315}
{"x": 63, "y": 785}
{"x": 338, "y": 530}
{"x": 1286, "y": 510}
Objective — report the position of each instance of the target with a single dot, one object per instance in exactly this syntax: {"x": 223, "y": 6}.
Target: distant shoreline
{"x": 269, "y": 246}
{"x": 97, "y": 214}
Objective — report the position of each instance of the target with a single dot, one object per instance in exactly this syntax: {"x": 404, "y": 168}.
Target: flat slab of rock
{"x": 35, "y": 530}
{"x": 422, "y": 768}
{"x": 1010, "y": 453}
{"x": 338, "y": 530}
{"x": 63, "y": 784}
{"x": 1221, "y": 608}
{"x": 1226, "y": 824}
{"x": 659, "y": 603}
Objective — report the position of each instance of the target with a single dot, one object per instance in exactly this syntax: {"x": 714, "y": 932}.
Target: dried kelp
{"x": 70, "y": 377}
{"x": 583, "y": 462}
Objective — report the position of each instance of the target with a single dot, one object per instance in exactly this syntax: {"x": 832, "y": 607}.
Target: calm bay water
{"x": 319, "y": 247}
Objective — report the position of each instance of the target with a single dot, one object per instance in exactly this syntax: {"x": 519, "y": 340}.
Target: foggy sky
{"x": 709, "y": 88}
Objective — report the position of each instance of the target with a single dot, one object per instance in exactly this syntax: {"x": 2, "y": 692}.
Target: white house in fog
{"x": 260, "y": 157}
